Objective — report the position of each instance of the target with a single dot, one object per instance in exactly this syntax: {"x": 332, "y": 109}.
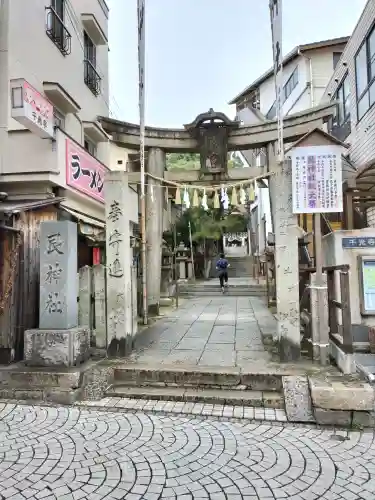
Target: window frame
{"x": 341, "y": 121}
{"x": 58, "y": 115}
{"x": 293, "y": 75}
{"x": 336, "y": 56}
{"x": 370, "y": 86}
{"x": 90, "y": 49}
{"x": 61, "y": 14}
{"x": 94, "y": 151}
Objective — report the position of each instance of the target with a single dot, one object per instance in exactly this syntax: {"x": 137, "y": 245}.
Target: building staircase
{"x": 198, "y": 385}
{"x": 238, "y": 287}
{"x": 240, "y": 267}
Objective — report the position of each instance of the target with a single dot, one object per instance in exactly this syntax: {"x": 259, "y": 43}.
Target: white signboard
{"x": 317, "y": 179}
{"x": 32, "y": 109}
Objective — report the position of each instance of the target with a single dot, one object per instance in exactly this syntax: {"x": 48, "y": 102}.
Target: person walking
{"x": 222, "y": 266}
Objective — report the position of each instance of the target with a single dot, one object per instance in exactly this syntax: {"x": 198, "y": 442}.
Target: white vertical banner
{"x": 276, "y": 28}
{"x": 141, "y": 103}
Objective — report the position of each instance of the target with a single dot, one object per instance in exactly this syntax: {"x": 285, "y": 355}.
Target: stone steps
{"x": 196, "y": 289}
{"x": 208, "y": 385}
{"x": 197, "y": 377}
{"x": 210, "y": 396}
{"x": 214, "y": 293}
{"x": 198, "y": 384}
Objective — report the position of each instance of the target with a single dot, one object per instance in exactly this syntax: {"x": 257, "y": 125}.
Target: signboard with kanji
{"x": 317, "y": 179}
{"x": 32, "y": 109}
{"x": 358, "y": 242}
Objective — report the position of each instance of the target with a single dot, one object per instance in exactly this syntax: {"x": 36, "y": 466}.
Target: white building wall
{"x": 32, "y": 55}
{"x": 362, "y": 137}
{"x": 315, "y": 69}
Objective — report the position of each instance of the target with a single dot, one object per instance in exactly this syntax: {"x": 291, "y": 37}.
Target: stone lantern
{"x": 166, "y": 270}
{"x": 182, "y": 256}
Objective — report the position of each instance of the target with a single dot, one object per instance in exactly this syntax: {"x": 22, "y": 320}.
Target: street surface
{"x": 71, "y": 453}
{"x": 210, "y": 331}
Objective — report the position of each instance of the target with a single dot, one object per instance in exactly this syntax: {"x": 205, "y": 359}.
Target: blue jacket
{"x": 222, "y": 264}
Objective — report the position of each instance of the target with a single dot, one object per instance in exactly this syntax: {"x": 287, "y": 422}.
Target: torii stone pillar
{"x": 154, "y": 226}
{"x": 286, "y": 257}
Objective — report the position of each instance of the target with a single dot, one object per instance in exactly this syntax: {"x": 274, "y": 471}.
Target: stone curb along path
{"x": 339, "y": 400}
{"x": 333, "y": 400}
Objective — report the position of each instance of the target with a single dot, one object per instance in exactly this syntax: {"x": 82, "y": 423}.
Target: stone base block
{"x": 333, "y": 417}
{"x": 56, "y": 347}
{"x": 297, "y": 399}
{"x": 362, "y": 419}
{"x": 337, "y": 393}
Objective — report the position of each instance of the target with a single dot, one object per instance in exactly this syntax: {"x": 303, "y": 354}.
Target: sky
{"x": 202, "y": 53}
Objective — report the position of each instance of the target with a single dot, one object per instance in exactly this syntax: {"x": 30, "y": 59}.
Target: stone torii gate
{"x": 213, "y": 134}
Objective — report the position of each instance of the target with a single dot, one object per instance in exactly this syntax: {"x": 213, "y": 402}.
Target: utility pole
{"x": 141, "y": 69}
{"x": 4, "y": 79}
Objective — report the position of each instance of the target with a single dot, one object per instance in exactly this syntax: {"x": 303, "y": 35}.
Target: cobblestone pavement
{"x": 210, "y": 331}
{"x": 67, "y": 453}
{"x": 189, "y": 408}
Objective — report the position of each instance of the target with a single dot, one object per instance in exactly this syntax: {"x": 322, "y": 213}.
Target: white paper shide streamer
{"x": 224, "y": 198}
{"x": 204, "y": 201}
{"x": 276, "y": 27}
{"x": 186, "y": 198}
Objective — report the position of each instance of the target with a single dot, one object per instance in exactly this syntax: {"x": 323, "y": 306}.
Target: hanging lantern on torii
{"x": 211, "y": 130}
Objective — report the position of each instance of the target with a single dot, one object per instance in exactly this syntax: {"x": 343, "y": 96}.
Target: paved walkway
{"x": 71, "y": 454}
{"x": 210, "y": 331}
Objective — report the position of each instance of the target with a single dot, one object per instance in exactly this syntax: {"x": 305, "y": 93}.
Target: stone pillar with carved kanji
{"x": 119, "y": 262}
{"x": 58, "y": 341}
{"x": 154, "y": 225}
{"x": 286, "y": 257}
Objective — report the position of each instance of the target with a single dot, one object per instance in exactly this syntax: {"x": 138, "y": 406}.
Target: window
{"x": 340, "y": 125}
{"x": 58, "y": 119}
{"x": 288, "y": 88}
{"x": 90, "y": 49}
{"x": 365, "y": 75}
{"x": 55, "y": 27}
{"x": 91, "y": 76}
{"x": 90, "y": 146}
{"x": 59, "y": 7}
{"x": 291, "y": 84}
{"x": 336, "y": 58}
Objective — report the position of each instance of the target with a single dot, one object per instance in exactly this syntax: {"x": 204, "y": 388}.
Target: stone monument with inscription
{"x": 120, "y": 328}
{"x": 58, "y": 341}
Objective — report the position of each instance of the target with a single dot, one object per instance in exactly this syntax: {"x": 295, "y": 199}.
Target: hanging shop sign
{"x": 32, "y": 109}
{"x": 317, "y": 179}
{"x": 83, "y": 172}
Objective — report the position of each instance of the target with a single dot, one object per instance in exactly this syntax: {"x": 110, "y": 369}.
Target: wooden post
{"x": 348, "y": 211}
{"x": 322, "y": 333}
{"x": 332, "y": 312}
{"x": 347, "y": 338}
{"x": 191, "y": 251}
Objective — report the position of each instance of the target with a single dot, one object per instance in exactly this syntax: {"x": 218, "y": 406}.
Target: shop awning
{"x": 93, "y": 229}
{"x": 17, "y": 206}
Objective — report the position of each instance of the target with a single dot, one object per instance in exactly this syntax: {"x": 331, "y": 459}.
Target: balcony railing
{"x": 57, "y": 32}
{"x": 92, "y": 78}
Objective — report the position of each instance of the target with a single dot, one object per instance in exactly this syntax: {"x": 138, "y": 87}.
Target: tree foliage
{"x": 191, "y": 161}
{"x": 208, "y": 226}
